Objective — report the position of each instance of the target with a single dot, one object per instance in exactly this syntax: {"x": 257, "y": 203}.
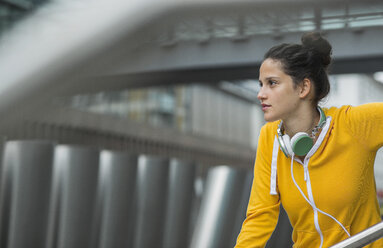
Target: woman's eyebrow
{"x": 272, "y": 77}
{"x": 268, "y": 78}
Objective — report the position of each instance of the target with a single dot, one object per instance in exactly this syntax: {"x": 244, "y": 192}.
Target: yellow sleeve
{"x": 366, "y": 124}
{"x": 263, "y": 208}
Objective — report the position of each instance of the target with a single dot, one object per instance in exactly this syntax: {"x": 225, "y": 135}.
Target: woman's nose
{"x": 261, "y": 94}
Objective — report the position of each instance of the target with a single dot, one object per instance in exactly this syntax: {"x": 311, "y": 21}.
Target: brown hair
{"x": 310, "y": 59}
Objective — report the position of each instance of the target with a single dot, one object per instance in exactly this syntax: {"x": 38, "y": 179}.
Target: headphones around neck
{"x": 301, "y": 143}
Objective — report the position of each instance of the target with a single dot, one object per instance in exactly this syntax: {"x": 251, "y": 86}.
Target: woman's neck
{"x": 303, "y": 121}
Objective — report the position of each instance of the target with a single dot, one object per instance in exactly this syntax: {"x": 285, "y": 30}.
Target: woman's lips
{"x": 265, "y": 107}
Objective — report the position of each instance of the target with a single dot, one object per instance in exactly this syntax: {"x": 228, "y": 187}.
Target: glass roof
{"x": 270, "y": 20}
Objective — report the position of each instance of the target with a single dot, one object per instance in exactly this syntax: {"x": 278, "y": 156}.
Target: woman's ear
{"x": 305, "y": 88}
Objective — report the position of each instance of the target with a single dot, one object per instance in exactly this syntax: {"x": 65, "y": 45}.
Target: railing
{"x": 363, "y": 238}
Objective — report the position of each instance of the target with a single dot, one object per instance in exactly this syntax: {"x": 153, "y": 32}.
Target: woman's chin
{"x": 269, "y": 118}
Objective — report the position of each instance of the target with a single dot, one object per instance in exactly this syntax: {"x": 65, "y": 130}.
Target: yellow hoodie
{"x": 336, "y": 177}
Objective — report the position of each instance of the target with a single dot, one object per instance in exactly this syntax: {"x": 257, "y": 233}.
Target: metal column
{"x": 117, "y": 185}
{"x": 74, "y": 197}
{"x": 219, "y": 208}
{"x": 26, "y": 182}
{"x": 151, "y": 201}
{"x": 242, "y": 207}
{"x": 179, "y": 203}
{"x": 282, "y": 235}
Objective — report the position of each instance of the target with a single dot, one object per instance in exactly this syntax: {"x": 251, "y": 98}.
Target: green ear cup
{"x": 301, "y": 144}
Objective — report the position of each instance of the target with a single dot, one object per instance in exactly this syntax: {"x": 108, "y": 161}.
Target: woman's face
{"x": 278, "y": 95}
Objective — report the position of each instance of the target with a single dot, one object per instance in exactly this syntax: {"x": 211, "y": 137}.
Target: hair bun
{"x": 316, "y": 42}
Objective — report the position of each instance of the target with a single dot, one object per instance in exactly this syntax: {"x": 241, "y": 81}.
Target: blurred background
{"x": 135, "y": 123}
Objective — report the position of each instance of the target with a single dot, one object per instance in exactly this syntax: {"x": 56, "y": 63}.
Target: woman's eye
{"x": 272, "y": 82}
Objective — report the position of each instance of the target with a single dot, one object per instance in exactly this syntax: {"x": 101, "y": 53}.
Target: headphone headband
{"x": 321, "y": 123}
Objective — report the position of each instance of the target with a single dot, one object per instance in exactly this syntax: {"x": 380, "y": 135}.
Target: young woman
{"x": 318, "y": 163}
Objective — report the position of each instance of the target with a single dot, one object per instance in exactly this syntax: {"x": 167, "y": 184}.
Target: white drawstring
{"x": 304, "y": 196}
{"x": 273, "y": 176}
{"x": 311, "y": 203}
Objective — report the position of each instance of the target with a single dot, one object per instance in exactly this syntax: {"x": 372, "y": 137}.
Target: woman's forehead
{"x": 271, "y": 68}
